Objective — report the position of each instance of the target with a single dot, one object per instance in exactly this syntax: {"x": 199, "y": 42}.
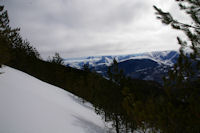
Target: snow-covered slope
{"x": 28, "y": 105}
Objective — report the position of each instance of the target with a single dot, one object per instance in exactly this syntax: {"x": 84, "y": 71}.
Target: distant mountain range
{"x": 145, "y": 66}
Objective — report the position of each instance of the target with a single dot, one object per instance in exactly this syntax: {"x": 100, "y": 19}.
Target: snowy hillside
{"x": 29, "y": 105}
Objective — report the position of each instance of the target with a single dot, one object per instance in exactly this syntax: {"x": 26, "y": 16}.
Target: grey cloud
{"x": 90, "y": 27}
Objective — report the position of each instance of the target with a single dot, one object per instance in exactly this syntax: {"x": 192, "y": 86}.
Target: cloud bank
{"x": 76, "y": 28}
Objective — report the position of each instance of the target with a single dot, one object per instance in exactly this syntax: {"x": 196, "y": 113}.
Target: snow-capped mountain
{"x": 146, "y": 66}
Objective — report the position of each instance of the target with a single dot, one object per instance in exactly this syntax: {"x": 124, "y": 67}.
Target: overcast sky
{"x": 77, "y": 28}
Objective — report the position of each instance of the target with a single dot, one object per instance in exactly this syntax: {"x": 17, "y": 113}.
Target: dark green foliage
{"x": 86, "y": 67}
{"x": 57, "y": 59}
{"x": 13, "y": 48}
{"x": 117, "y": 101}
{"x": 4, "y": 51}
{"x": 116, "y": 76}
{"x": 4, "y": 41}
{"x": 176, "y": 108}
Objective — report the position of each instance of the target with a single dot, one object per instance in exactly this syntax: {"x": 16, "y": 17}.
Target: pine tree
{"x": 184, "y": 70}
{"x": 4, "y": 40}
{"x": 116, "y": 76}
{"x": 57, "y": 59}
{"x": 4, "y": 51}
{"x": 13, "y": 49}
{"x": 180, "y": 109}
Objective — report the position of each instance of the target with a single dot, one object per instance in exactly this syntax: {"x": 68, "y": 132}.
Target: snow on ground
{"x": 28, "y": 105}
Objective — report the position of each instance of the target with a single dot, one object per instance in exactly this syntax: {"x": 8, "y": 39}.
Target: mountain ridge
{"x": 145, "y": 66}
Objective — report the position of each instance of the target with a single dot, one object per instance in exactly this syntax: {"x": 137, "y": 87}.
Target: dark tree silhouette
{"x": 180, "y": 110}
{"x": 4, "y": 39}
{"x": 57, "y": 59}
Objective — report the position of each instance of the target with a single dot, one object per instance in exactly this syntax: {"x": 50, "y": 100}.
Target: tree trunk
{"x": 117, "y": 123}
{"x": 105, "y": 116}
